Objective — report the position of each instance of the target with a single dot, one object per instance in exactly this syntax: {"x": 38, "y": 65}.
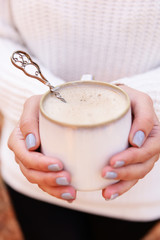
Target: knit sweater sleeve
{"x": 148, "y": 82}
{"x": 15, "y": 87}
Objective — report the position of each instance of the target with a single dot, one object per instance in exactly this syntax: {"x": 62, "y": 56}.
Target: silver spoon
{"x": 22, "y": 61}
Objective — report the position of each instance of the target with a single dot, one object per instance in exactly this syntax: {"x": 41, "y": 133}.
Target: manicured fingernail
{"x": 119, "y": 164}
{"x": 111, "y": 175}
{"x": 138, "y": 138}
{"x": 62, "y": 181}
{"x": 113, "y": 196}
{"x": 67, "y": 196}
{"x": 54, "y": 167}
{"x": 30, "y": 141}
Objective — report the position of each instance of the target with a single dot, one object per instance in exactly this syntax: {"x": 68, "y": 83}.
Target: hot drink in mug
{"x": 87, "y": 130}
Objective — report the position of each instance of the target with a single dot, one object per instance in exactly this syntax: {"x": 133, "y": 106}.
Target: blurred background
{"x": 9, "y": 228}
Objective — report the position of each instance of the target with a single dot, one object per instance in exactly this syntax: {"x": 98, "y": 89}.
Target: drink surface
{"x": 87, "y": 104}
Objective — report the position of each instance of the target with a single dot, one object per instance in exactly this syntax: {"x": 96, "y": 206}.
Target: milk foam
{"x": 87, "y": 104}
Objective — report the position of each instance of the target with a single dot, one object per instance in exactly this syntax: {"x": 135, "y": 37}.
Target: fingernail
{"x": 30, "y": 141}
{"x": 62, "y": 181}
{"x": 113, "y": 196}
{"x": 54, "y": 167}
{"x": 67, "y": 196}
{"x": 119, "y": 164}
{"x": 138, "y": 138}
{"x": 110, "y": 175}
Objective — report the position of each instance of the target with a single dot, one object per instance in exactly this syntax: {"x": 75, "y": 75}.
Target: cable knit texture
{"x": 116, "y": 41}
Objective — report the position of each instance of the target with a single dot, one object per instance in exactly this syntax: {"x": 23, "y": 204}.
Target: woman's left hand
{"x": 135, "y": 162}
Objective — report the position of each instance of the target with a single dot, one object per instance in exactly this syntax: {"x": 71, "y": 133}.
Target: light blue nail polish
{"x": 113, "y": 196}
{"x": 111, "y": 175}
{"x": 30, "y": 141}
{"x": 119, "y": 164}
{"x": 62, "y": 181}
{"x": 67, "y": 196}
{"x": 54, "y": 167}
{"x": 138, "y": 138}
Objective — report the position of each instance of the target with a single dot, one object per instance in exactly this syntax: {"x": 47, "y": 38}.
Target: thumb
{"x": 29, "y": 122}
{"x": 143, "y": 119}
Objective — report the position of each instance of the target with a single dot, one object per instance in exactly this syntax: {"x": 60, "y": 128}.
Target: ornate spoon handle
{"x": 24, "y": 62}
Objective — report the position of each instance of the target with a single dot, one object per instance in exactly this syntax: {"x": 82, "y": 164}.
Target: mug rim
{"x": 95, "y": 125}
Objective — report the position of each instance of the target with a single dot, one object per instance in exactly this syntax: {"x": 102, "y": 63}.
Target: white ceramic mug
{"x": 85, "y": 149}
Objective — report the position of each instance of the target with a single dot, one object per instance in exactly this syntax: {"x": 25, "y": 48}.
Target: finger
{"x": 17, "y": 160}
{"x": 133, "y": 155}
{"x": 52, "y": 179}
{"x": 115, "y": 190}
{"x": 130, "y": 172}
{"x": 31, "y": 160}
{"x": 29, "y": 122}
{"x": 66, "y": 193}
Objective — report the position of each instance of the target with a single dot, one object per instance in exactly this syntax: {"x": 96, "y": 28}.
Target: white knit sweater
{"x": 114, "y": 40}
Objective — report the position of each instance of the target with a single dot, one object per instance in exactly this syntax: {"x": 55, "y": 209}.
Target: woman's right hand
{"x": 46, "y": 172}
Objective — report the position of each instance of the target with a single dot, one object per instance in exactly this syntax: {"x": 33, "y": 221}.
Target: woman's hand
{"x": 135, "y": 162}
{"x": 44, "y": 171}
{"x": 128, "y": 166}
